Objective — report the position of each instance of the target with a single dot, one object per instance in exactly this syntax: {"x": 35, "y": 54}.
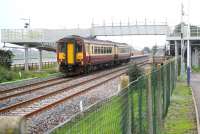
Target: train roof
{"x": 91, "y": 40}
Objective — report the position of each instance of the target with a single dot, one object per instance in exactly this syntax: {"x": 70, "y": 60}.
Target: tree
{"x": 6, "y": 58}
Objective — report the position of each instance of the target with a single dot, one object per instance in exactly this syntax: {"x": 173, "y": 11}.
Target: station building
{"x": 182, "y": 38}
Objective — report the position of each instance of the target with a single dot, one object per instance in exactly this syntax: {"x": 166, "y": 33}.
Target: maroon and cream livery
{"x": 76, "y": 54}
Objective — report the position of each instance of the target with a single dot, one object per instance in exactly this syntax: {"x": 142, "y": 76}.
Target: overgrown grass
{"x": 105, "y": 119}
{"x": 196, "y": 69}
{"x": 184, "y": 78}
{"x": 181, "y": 114}
{"x": 11, "y": 75}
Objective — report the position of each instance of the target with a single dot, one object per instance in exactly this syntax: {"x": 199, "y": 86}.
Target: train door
{"x": 70, "y": 53}
{"x": 115, "y": 52}
{"x": 89, "y": 51}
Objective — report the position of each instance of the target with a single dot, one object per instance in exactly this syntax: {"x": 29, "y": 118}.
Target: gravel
{"x": 43, "y": 91}
{"x": 49, "y": 119}
{"x": 50, "y": 99}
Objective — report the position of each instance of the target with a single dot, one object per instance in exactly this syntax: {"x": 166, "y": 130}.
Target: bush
{"x": 6, "y": 75}
{"x": 134, "y": 72}
{"x": 6, "y": 58}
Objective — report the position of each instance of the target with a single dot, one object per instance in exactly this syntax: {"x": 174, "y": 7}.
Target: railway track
{"x": 46, "y": 101}
{"x": 4, "y": 91}
{"x": 44, "y": 90}
{"x": 42, "y": 102}
{"x": 16, "y": 94}
{"x": 30, "y": 88}
{"x": 50, "y": 94}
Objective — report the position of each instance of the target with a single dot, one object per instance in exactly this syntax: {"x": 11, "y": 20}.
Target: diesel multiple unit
{"x": 76, "y": 54}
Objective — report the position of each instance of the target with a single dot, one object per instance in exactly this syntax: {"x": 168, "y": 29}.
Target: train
{"x": 77, "y": 55}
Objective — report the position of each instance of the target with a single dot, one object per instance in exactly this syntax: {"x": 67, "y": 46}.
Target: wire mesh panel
{"x": 111, "y": 116}
{"x": 138, "y": 106}
{"x": 154, "y": 99}
{"x": 128, "y": 111}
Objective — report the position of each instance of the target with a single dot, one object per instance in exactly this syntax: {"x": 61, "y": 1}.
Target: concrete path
{"x": 195, "y": 84}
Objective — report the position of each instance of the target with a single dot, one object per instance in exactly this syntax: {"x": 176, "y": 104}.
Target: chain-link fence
{"x": 138, "y": 109}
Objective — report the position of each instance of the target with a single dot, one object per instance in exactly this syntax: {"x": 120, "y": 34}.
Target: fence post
{"x": 149, "y": 103}
{"x": 159, "y": 100}
{"x": 170, "y": 76}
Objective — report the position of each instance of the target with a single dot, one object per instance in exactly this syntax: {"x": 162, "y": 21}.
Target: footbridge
{"x": 45, "y": 39}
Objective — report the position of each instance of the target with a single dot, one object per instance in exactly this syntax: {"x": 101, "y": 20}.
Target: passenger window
{"x": 102, "y": 50}
{"x": 95, "y": 50}
{"x": 99, "y": 50}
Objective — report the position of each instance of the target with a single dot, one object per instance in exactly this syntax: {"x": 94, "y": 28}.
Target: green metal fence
{"x": 138, "y": 109}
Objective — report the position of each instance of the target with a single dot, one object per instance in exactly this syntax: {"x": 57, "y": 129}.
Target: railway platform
{"x": 195, "y": 85}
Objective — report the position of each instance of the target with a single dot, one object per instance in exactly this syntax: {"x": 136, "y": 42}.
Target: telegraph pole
{"x": 188, "y": 48}
{"x": 182, "y": 42}
{"x": 26, "y": 54}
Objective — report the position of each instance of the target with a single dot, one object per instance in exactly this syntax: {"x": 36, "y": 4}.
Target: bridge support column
{"x": 40, "y": 59}
{"x": 26, "y": 58}
{"x": 196, "y": 55}
{"x": 182, "y": 59}
{"x": 193, "y": 60}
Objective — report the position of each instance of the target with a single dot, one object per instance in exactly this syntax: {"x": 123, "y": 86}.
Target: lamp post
{"x": 27, "y": 25}
{"x": 188, "y": 47}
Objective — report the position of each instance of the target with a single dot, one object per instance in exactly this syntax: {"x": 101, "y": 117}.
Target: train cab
{"x": 70, "y": 54}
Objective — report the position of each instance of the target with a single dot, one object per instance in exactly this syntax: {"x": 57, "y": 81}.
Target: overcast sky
{"x": 71, "y": 13}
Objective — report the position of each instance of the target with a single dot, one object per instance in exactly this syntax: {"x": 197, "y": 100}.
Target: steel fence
{"x": 140, "y": 108}
{"x": 35, "y": 66}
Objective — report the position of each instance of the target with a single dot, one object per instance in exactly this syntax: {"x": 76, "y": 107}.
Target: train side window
{"x": 110, "y": 50}
{"x": 101, "y": 50}
{"x": 107, "y": 50}
{"x": 95, "y": 50}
